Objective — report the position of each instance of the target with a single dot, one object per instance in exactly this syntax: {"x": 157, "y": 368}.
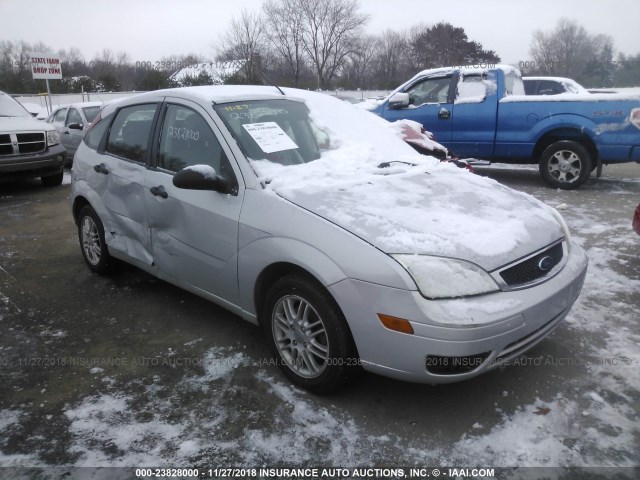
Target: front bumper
{"x": 485, "y": 330}
{"x": 49, "y": 162}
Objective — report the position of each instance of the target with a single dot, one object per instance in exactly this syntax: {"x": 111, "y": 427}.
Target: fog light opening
{"x": 443, "y": 365}
{"x": 396, "y": 324}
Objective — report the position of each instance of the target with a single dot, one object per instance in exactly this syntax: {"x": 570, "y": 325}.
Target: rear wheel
{"x": 91, "y": 236}
{"x": 565, "y": 164}
{"x": 52, "y": 180}
{"x": 308, "y": 335}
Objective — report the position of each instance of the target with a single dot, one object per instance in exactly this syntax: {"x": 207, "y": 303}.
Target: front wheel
{"x": 308, "y": 335}
{"x": 91, "y": 236}
{"x": 565, "y": 164}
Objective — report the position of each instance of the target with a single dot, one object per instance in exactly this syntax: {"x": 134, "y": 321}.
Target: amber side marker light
{"x": 397, "y": 324}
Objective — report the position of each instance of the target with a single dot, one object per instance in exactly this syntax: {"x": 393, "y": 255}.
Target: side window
{"x": 431, "y": 90}
{"x": 188, "y": 140}
{"x": 94, "y": 136}
{"x": 531, "y": 87}
{"x": 471, "y": 89}
{"x": 59, "y": 116}
{"x": 550, "y": 88}
{"x": 73, "y": 117}
{"x": 130, "y": 132}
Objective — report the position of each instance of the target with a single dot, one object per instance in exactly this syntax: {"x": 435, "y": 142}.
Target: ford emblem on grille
{"x": 546, "y": 263}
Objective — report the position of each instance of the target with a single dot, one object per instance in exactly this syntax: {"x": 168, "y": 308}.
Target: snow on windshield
{"x": 351, "y": 144}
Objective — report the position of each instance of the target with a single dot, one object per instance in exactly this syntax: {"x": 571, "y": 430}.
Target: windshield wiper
{"x": 388, "y": 164}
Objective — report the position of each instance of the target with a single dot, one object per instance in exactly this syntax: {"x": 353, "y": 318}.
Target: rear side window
{"x": 550, "y": 88}
{"x": 94, "y": 136}
{"x": 530, "y": 87}
{"x": 130, "y": 132}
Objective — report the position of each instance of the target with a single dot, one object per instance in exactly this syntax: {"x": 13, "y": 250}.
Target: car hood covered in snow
{"x": 423, "y": 213}
{"x": 23, "y": 124}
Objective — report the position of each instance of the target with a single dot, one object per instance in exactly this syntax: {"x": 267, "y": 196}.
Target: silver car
{"x": 72, "y": 122}
{"x": 309, "y": 217}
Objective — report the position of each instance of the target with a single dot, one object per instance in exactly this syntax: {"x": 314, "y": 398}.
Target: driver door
{"x": 194, "y": 233}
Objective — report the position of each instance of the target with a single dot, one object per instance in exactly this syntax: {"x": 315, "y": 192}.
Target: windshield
{"x": 276, "y": 130}
{"x": 11, "y": 108}
{"x": 91, "y": 113}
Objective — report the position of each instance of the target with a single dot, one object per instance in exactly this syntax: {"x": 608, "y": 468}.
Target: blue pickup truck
{"x": 484, "y": 113}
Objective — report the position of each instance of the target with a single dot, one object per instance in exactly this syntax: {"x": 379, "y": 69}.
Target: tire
{"x": 52, "y": 180}
{"x": 565, "y": 164}
{"x": 308, "y": 335}
{"x": 92, "y": 244}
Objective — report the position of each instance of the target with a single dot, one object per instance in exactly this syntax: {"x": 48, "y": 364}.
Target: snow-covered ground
{"x": 572, "y": 401}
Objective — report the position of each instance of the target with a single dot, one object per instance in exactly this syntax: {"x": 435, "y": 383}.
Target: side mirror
{"x": 75, "y": 126}
{"x": 398, "y": 100}
{"x": 201, "y": 177}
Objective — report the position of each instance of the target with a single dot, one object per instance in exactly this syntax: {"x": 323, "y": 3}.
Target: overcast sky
{"x": 150, "y": 29}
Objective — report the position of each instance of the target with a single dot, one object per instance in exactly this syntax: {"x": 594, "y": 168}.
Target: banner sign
{"x": 45, "y": 66}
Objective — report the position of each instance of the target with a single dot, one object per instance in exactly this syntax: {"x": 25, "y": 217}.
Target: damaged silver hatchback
{"x": 311, "y": 218}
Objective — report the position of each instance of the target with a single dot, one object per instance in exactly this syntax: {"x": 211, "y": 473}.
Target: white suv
{"x": 29, "y": 148}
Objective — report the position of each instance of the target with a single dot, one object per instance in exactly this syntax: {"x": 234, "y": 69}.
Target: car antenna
{"x": 268, "y": 80}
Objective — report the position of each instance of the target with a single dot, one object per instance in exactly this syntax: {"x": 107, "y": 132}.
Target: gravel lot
{"x": 130, "y": 371}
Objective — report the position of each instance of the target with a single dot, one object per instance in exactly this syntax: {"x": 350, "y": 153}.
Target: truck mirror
{"x": 398, "y": 100}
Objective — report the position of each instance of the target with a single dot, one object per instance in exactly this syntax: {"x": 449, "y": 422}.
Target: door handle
{"x": 159, "y": 191}
{"x": 66, "y": 132}
{"x": 101, "y": 169}
{"x": 444, "y": 114}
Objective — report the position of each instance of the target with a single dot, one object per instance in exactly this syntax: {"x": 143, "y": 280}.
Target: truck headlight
{"x": 53, "y": 138}
{"x": 438, "y": 277}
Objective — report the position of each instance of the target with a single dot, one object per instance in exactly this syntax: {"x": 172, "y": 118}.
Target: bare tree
{"x": 244, "y": 40}
{"x": 569, "y": 50}
{"x": 360, "y": 61}
{"x": 285, "y": 21}
{"x": 392, "y": 58}
{"x": 329, "y": 29}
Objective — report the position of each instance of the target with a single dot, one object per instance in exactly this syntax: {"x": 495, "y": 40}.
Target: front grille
{"x": 31, "y": 142}
{"x": 533, "y": 268}
{"x": 5, "y": 144}
{"x": 22, "y": 143}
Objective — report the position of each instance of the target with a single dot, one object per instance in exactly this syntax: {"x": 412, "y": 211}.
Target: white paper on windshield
{"x": 270, "y": 137}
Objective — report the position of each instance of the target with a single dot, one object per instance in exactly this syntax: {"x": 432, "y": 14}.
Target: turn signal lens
{"x": 397, "y": 324}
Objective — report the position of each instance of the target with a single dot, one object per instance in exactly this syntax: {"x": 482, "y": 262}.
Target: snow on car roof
{"x": 205, "y": 94}
{"x": 464, "y": 69}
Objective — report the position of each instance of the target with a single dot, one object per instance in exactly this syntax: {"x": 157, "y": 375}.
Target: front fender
{"x": 258, "y": 255}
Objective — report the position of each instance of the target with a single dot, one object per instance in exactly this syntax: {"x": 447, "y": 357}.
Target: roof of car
{"x": 209, "y": 93}
{"x": 554, "y": 79}
{"x": 78, "y": 105}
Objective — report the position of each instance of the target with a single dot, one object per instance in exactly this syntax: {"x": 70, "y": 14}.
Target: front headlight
{"x": 439, "y": 277}
{"x": 563, "y": 224}
{"x": 53, "y": 138}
